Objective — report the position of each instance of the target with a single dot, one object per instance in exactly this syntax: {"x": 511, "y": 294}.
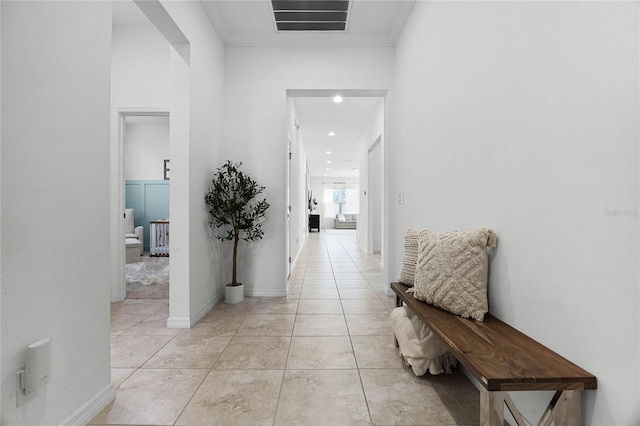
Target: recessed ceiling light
{"x": 328, "y": 161}
{"x": 327, "y": 168}
{"x": 327, "y": 152}
{"x": 337, "y": 99}
{"x": 326, "y": 174}
{"x": 332, "y": 134}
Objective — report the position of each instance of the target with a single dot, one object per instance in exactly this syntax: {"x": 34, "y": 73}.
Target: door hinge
{"x": 289, "y": 259}
{"x": 290, "y": 155}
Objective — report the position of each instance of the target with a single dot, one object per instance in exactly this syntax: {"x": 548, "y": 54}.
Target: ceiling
{"x": 349, "y": 119}
{"x": 252, "y": 23}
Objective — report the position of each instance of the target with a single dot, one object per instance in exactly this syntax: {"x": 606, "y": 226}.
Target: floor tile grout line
{"x": 340, "y": 300}
{"x": 355, "y": 358}
{"x": 286, "y": 361}
{"x": 455, "y": 400}
{"x": 353, "y": 351}
{"x": 275, "y": 412}
{"x": 156, "y": 352}
{"x": 194, "y": 394}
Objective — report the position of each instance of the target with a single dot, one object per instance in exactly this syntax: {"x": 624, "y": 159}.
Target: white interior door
{"x": 288, "y": 208}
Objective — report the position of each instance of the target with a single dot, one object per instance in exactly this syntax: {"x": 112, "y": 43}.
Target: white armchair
{"x": 133, "y": 237}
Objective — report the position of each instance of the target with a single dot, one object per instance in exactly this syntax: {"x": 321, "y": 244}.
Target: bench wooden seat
{"x": 502, "y": 359}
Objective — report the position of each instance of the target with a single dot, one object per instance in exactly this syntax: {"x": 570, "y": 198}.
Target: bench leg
{"x": 570, "y": 412}
{"x": 563, "y": 410}
{"x": 491, "y": 408}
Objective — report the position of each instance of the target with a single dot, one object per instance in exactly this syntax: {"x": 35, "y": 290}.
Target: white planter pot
{"x": 233, "y": 294}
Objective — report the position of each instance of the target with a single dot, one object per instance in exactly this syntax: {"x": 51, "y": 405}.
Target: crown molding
{"x": 312, "y": 39}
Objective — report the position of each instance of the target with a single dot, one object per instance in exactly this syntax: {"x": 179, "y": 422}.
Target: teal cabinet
{"x": 149, "y": 200}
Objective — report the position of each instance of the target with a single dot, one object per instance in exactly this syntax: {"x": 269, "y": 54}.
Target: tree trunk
{"x": 235, "y": 260}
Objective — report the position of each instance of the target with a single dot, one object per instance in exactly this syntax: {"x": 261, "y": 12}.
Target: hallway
{"x": 322, "y": 356}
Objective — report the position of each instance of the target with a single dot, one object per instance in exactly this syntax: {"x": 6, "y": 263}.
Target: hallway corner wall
{"x": 55, "y": 205}
{"x": 206, "y": 93}
{"x": 523, "y": 117}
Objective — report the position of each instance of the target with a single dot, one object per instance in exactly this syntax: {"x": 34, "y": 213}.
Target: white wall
{"x": 55, "y": 193}
{"x": 206, "y": 69}
{"x": 299, "y": 208}
{"x": 376, "y": 188}
{"x": 140, "y": 68}
{"x": 375, "y": 129}
{"x": 256, "y": 80}
{"x": 146, "y": 146}
{"x": 523, "y": 117}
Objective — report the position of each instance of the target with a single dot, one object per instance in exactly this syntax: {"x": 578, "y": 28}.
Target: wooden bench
{"x": 502, "y": 359}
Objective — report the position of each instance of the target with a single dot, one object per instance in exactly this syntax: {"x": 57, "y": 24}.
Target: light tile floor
{"x": 324, "y": 355}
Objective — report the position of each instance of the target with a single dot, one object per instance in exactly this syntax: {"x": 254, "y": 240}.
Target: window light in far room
{"x": 337, "y": 99}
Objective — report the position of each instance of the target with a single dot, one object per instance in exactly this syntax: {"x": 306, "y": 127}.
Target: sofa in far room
{"x": 346, "y": 221}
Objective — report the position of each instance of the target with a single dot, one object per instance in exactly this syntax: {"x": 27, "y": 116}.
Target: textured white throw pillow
{"x": 408, "y": 270}
{"x": 452, "y": 269}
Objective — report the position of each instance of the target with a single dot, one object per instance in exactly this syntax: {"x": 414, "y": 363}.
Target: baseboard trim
{"x": 178, "y": 322}
{"x": 183, "y": 322}
{"x": 266, "y": 292}
{"x": 91, "y": 408}
{"x": 203, "y": 310}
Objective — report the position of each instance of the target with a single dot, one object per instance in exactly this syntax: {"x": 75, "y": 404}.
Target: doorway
{"x": 146, "y": 174}
{"x": 138, "y": 181}
{"x": 336, "y": 137}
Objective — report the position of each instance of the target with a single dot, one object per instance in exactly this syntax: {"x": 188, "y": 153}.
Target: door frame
{"x": 367, "y": 93}
{"x": 373, "y": 179}
{"x": 288, "y": 207}
{"x": 117, "y": 193}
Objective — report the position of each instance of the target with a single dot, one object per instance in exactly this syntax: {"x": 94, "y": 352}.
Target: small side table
{"x": 314, "y": 222}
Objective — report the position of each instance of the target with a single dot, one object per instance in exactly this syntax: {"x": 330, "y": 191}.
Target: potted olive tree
{"x": 236, "y": 214}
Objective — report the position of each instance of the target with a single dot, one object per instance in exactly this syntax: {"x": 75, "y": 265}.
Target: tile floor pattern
{"x": 324, "y": 355}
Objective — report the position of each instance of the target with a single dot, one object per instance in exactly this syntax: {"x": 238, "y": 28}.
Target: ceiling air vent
{"x": 310, "y": 15}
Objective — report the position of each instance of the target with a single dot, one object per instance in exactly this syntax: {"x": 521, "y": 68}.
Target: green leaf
{"x": 232, "y": 208}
